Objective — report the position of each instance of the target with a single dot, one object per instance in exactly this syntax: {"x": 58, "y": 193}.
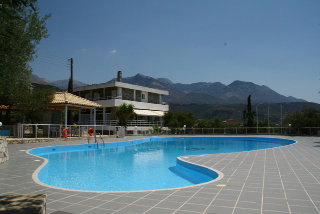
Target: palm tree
{"x": 124, "y": 113}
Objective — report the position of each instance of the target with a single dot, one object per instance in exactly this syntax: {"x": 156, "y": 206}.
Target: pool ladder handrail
{"x": 97, "y": 142}
{"x": 102, "y": 140}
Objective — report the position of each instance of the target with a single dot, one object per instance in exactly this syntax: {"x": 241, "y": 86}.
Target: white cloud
{"x": 83, "y": 50}
{"x": 113, "y": 51}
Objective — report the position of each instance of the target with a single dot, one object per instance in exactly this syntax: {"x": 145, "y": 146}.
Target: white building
{"x": 147, "y": 102}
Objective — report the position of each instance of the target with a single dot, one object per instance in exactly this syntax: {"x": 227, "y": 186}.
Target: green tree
{"x": 244, "y": 117}
{"x": 250, "y": 113}
{"x": 36, "y": 105}
{"x": 124, "y": 113}
{"x": 207, "y": 123}
{"x": 308, "y": 117}
{"x": 21, "y": 29}
{"x": 177, "y": 119}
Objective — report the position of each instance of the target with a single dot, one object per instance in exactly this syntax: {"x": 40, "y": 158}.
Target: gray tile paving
{"x": 273, "y": 181}
{"x": 99, "y": 211}
{"x": 169, "y": 204}
{"x": 193, "y": 207}
{"x": 157, "y": 210}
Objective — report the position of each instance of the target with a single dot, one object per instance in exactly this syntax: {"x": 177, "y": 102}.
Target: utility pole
{"x": 70, "y": 84}
{"x": 70, "y": 90}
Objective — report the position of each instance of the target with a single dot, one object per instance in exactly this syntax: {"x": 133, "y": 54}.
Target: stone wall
{"x": 4, "y": 155}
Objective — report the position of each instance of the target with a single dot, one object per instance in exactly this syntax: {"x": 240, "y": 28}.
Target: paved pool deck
{"x": 280, "y": 180}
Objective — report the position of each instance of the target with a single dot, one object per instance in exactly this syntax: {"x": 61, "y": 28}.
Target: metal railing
{"x": 304, "y": 131}
{"x": 144, "y": 123}
{"x": 141, "y": 128}
{"x": 129, "y": 123}
{"x": 55, "y": 130}
{"x": 120, "y": 98}
{"x": 104, "y": 98}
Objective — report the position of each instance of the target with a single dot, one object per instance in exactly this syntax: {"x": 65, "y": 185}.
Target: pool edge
{"x": 220, "y": 174}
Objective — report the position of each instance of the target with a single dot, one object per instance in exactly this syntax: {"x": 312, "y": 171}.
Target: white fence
{"x": 55, "y": 130}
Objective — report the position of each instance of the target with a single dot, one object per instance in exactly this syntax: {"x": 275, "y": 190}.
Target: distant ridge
{"x": 212, "y": 99}
{"x": 35, "y": 79}
{"x": 61, "y": 84}
{"x": 212, "y": 93}
{"x": 197, "y": 93}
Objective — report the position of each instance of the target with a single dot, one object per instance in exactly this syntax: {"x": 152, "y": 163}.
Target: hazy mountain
{"x": 200, "y": 93}
{"x": 38, "y": 87}
{"x": 142, "y": 80}
{"x": 165, "y": 80}
{"x": 35, "y": 79}
{"x": 61, "y": 84}
{"x": 207, "y": 92}
{"x": 211, "y": 100}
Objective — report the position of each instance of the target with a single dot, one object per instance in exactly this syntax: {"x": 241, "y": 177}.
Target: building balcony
{"x": 131, "y": 123}
{"x": 117, "y": 101}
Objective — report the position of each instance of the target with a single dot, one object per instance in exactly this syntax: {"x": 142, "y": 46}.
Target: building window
{"x": 144, "y": 96}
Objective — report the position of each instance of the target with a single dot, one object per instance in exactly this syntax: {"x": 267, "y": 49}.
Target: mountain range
{"x": 200, "y": 92}
{"x": 212, "y": 92}
{"x": 61, "y": 84}
{"x": 211, "y": 99}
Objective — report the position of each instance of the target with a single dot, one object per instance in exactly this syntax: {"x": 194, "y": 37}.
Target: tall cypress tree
{"x": 244, "y": 117}
{"x": 250, "y": 113}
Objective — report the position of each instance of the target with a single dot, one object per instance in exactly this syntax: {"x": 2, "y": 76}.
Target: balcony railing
{"x": 104, "y": 98}
{"x": 119, "y": 98}
{"x": 138, "y": 123}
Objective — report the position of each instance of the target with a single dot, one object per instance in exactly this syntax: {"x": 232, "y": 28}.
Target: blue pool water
{"x": 145, "y": 164}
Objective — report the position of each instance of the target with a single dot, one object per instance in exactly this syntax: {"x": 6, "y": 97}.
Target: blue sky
{"x": 274, "y": 43}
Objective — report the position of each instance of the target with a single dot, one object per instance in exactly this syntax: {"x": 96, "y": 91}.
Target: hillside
{"x": 61, "y": 84}
{"x": 38, "y": 87}
{"x": 201, "y": 92}
{"x": 211, "y": 100}
{"x": 212, "y": 93}
{"x": 234, "y": 111}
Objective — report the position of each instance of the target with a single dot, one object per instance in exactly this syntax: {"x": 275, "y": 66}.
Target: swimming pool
{"x": 145, "y": 164}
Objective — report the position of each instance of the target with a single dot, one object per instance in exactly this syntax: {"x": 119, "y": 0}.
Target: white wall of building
{"x": 137, "y": 105}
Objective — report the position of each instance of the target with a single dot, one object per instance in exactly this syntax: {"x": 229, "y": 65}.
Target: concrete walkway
{"x": 278, "y": 181}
